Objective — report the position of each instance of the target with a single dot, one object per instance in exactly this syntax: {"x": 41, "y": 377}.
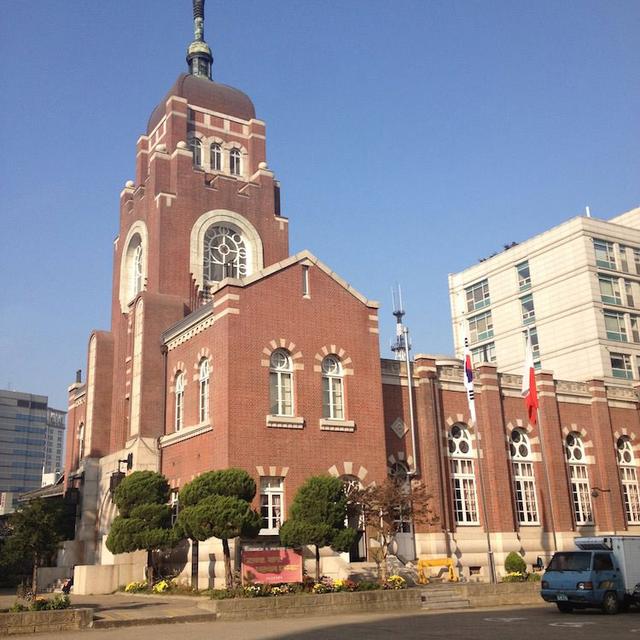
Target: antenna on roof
{"x": 587, "y": 211}
{"x": 401, "y": 347}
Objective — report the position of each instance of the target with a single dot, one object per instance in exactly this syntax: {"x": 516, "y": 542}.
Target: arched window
{"x": 463, "y": 477}
{"x": 225, "y": 254}
{"x": 134, "y": 274}
{"x": 399, "y": 473}
{"x": 215, "y": 157}
{"x": 629, "y": 479}
{"x": 81, "y": 441}
{"x": 281, "y": 383}
{"x": 332, "y": 389}
{"x": 204, "y": 390}
{"x": 523, "y": 477}
{"x": 580, "y": 490}
{"x": 179, "y": 411}
{"x": 196, "y": 149}
{"x": 235, "y": 162}
{"x": 138, "y": 270}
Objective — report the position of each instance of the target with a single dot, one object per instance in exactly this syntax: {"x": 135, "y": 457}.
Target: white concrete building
{"x": 574, "y": 288}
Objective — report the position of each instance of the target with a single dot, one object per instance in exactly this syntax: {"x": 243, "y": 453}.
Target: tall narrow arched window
{"x": 629, "y": 479}
{"x": 204, "y": 390}
{"x": 179, "y": 406}
{"x": 196, "y": 150}
{"x": 524, "y": 479}
{"x": 463, "y": 476}
{"x": 81, "y": 441}
{"x": 399, "y": 473}
{"x": 332, "y": 388}
{"x": 580, "y": 490}
{"x": 281, "y": 383}
{"x": 235, "y": 162}
{"x": 225, "y": 254}
{"x": 137, "y": 270}
{"x": 215, "y": 157}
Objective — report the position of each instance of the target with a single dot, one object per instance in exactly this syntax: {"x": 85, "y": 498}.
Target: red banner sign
{"x": 271, "y": 565}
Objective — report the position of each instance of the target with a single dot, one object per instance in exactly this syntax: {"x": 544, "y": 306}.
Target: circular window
{"x": 459, "y": 441}
{"x": 520, "y": 447}
{"x": 280, "y": 360}
{"x": 574, "y": 447}
{"x": 625, "y": 450}
{"x": 331, "y": 366}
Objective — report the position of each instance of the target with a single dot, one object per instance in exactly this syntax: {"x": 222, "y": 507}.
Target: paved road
{"x": 531, "y": 623}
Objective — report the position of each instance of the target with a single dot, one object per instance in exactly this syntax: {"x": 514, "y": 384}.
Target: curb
{"x": 102, "y": 623}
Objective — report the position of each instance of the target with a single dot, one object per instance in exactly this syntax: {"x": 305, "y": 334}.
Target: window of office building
{"x": 604, "y": 254}
{"x": 524, "y": 276}
{"x": 621, "y": 366}
{"x": 609, "y": 290}
{"x": 528, "y": 310}
{"x": 615, "y": 326}
{"x": 484, "y": 353}
{"x": 481, "y": 327}
{"x": 478, "y": 296}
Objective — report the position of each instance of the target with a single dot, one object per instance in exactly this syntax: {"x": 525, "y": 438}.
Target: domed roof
{"x": 202, "y": 92}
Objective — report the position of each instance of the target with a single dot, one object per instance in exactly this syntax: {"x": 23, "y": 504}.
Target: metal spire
{"x": 199, "y": 56}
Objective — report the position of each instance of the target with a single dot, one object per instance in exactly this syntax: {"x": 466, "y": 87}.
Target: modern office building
{"x": 31, "y": 440}
{"x": 575, "y": 289}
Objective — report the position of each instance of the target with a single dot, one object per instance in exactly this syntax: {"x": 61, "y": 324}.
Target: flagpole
{"x": 492, "y": 566}
{"x": 469, "y": 386}
{"x": 542, "y": 453}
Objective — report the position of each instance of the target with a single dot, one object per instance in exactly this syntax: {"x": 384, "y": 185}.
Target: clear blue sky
{"x": 411, "y": 138}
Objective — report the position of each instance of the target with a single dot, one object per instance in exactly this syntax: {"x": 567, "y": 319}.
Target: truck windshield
{"x": 570, "y": 561}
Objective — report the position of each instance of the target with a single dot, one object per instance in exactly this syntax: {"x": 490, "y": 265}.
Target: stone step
{"x": 446, "y": 604}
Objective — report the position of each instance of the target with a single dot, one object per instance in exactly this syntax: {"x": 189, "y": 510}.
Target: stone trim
{"x": 348, "y": 469}
{"x": 337, "y": 425}
{"x": 271, "y": 471}
{"x": 284, "y": 422}
{"x": 184, "y": 434}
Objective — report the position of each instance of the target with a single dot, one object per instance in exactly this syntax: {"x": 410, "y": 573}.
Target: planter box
{"x": 43, "y": 621}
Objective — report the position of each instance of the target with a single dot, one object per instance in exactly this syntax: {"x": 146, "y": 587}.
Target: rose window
{"x": 225, "y": 254}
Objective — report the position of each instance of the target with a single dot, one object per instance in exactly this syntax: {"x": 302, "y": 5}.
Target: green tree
{"x": 35, "y": 533}
{"x": 144, "y": 521}
{"x": 317, "y": 517}
{"x": 514, "y": 563}
{"x": 218, "y": 504}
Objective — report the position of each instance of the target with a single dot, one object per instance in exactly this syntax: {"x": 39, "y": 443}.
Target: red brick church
{"x": 226, "y": 351}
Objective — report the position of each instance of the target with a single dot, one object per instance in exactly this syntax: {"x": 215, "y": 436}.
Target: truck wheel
{"x": 564, "y": 607}
{"x": 610, "y": 603}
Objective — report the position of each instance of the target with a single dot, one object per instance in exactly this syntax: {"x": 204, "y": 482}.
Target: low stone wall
{"x": 502, "y": 594}
{"x": 316, "y": 605}
{"x": 44, "y": 621}
{"x": 479, "y": 595}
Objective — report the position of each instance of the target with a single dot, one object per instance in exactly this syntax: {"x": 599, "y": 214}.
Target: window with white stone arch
{"x": 203, "y": 371}
{"x": 463, "y": 477}
{"x": 235, "y": 162}
{"x": 215, "y": 157}
{"x": 629, "y": 479}
{"x": 579, "y": 475}
{"x": 225, "y": 254}
{"x": 523, "y": 477}
{"x": 271, "y": 504}
{"x": 281, "y": 383}
{"x": 223, "y": 244}
{"x": 196, "y": 149}
{"x": 133, "y": 265}
{"x": 179, "y": 401}
{"x": 332, "y": 388}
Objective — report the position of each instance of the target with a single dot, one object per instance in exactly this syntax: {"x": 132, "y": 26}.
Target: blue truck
{"x": 604, "y": 572}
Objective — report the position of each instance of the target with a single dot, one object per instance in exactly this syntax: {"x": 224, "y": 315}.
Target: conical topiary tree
{"x": 218, "y": 504}
{"x": 317, "y": 517}
{"x": 144, "y": 520}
